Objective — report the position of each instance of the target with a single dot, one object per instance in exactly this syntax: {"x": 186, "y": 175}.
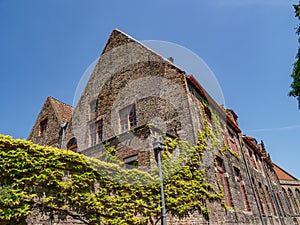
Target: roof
{"x": 62, "y": 110}
{"x": 282, "y": 174}
{"x": 213, "y": 103}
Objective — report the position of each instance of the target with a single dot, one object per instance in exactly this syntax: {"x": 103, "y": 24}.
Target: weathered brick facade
{"x": 133, "y": 82}
{"x": 290, "y": 193}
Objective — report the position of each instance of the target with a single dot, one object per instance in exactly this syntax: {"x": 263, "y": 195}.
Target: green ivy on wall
{"x": 33, "y": 177}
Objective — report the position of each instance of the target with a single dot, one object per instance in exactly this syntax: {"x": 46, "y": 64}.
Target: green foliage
{"x": 45, "y": 178}
{"x": 295, "y": 86}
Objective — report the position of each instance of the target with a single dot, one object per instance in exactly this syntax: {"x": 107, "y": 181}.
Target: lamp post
{"x": 158, "y": 147}
{"x": 63, "y": 129}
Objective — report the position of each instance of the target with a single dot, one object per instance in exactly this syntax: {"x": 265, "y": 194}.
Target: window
{"x": 280, "y": 203}
{"x": 223, "y": 179}
{"x": 43, "y": 126}
{"x": 94, "y": 109}
{"x": 131, "y": 162}
{"x": 127, "y": 118}
{"x": 293, "y": 201}
{"x": 252, "y": 159}
{"x": 270, "y": 200}
{"x": 258, "y": 197}
{"x": 241, "y": 185}
{"x": 286, "y": 199}
{"x": 72, "y": 145}
{"x": 298, "y": 195}
{"x": 257, "y": 160}
{"x": 263, "y": 198}
{"x": 96, "y": 134}
{"x": 232, "y": 142}
{"x": 208, "y": 117}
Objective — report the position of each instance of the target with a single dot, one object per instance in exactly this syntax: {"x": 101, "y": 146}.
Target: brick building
{"x": 290, "y": 191}
{"x": 131, "y": 87}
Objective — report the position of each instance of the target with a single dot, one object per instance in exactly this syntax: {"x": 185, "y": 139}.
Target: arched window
{"x": 257, "y": 196}
{"x": 270, "y": 200}
{"x": 293, "y": 201}
{"x": 263, "y": 198}
{"x": 298, "y": 195}
{"x": 72, "y": 145}
{"x": 281, "y": 204}
{"x": 287, "y": 201}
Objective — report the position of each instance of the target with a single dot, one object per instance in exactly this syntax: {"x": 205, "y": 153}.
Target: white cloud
{"x": 274, "y": 129}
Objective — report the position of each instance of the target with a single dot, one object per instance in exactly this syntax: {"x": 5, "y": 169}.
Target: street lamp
{"x": 158, "y": 147}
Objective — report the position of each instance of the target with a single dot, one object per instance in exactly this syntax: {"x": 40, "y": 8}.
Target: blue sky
{"x": 250, "y": 45}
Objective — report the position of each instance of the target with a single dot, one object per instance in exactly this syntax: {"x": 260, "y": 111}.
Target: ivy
{"x": 34, "y": 177}
{"x": 215, "y": 134}
{"x": 47, "y": 179}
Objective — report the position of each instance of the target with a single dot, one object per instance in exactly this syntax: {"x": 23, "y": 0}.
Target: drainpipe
{"x": 63, "y": 129}
{"x": 250, "y": 179}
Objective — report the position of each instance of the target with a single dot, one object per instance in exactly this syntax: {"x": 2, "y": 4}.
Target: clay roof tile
{"x": 63, "y": 111}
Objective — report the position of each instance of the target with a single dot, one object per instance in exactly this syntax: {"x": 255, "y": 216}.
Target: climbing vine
{"x": 33, "y": 178}
{"x": 215, "y": 133}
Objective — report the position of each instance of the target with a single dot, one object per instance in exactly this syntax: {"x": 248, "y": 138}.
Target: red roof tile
{"x": 63, "y": 111}
{"x": 282, "y": 174}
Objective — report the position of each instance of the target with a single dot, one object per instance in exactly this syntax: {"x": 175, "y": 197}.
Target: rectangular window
{"x": 131, "y": 162}
{"x": 127, "y": 118}
{"x": 43, "y": 126}
{"x": 208, "y": 117}
{"x": 241, "y": 185}
{"x": 94, "y": 109}
{"x": 252, "y": 159}
{"x": 270, "y": 200}
{"x": 223, "y": 179}
{"x": 258, "y": 197}
{"x": 96, "y": 132}
{"x": 232, "y": 142}
{"x": 263, "y": 198}
{"x": 257, "y": 162}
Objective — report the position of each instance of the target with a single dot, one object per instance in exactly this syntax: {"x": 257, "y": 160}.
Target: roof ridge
{"x": 59, "y": 101}
{"x": 60, "y": 108}
{"x": 143, "y": 45}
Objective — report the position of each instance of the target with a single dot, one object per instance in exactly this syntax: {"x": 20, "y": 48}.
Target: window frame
{"x": 271, "y": 200}
{"x": 233, "y": 145}
{"x": 127, "y": 118}
{"x": 131, "y": 161}
{"x": 96, "y": 132}
{"x": 43, "y": 126}
{"x": 74, "y": 146}
{"x": 241, "y": 185}
{"x": 263, "y": 198}
{"x": 223, "y": 179}
{"x": 256, "y": 192}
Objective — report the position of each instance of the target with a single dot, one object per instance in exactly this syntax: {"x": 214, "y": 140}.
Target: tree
{"x": 295, "y": 92}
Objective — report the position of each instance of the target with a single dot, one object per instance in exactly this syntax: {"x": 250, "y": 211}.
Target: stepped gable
{"x": 252, "y": 142}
